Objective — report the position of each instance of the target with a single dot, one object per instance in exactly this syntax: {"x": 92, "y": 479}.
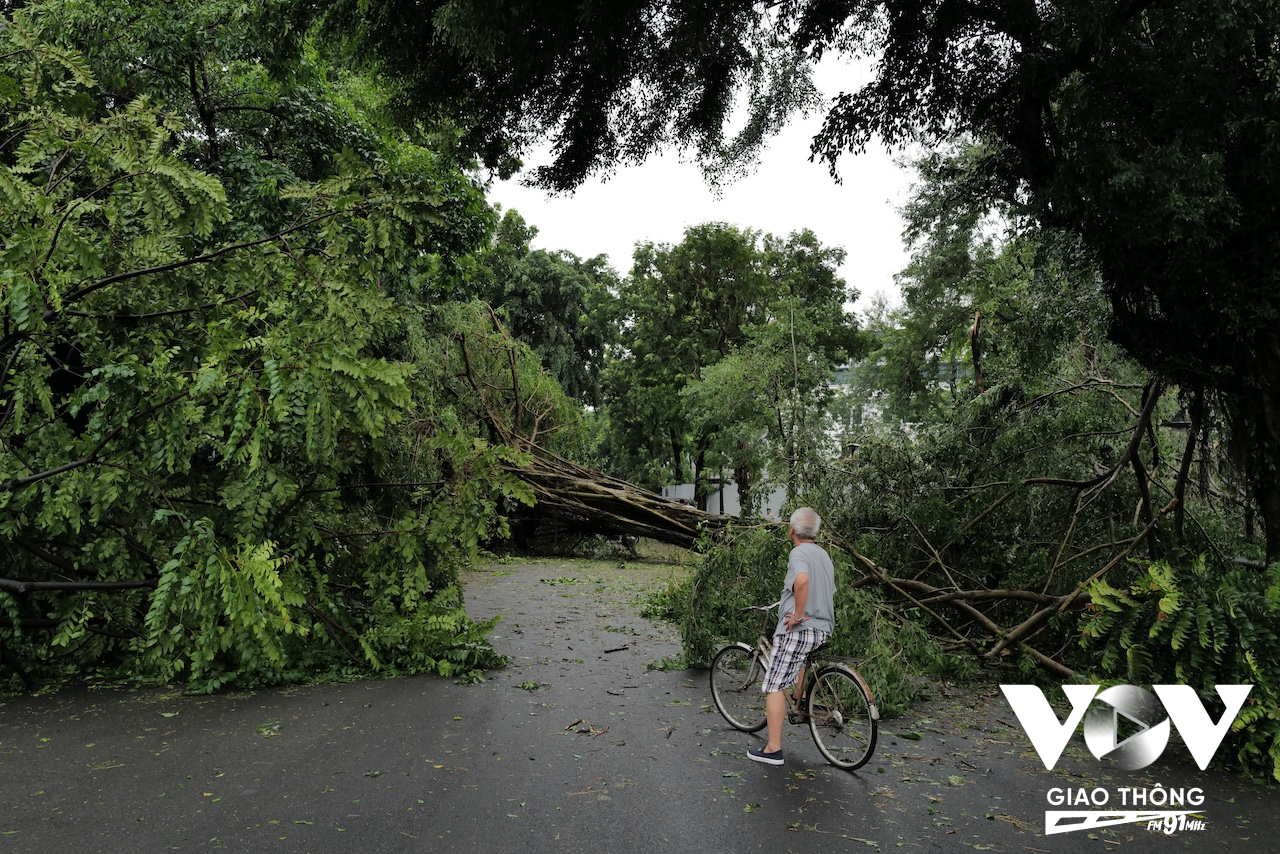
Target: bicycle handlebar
{"x": 760, "y": 607}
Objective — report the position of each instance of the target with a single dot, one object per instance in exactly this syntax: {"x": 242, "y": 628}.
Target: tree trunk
{"x": 1270, "y": 501}
{"x": 677, "y": 457}
{"x": 592, "y": 502}
{"x": 746, "y": 500}
{"x": 975, "y": 348}
{"x": 700, "y": 479}
{"x": 1184, "y": 468}
{"x": 1255, "y": 428}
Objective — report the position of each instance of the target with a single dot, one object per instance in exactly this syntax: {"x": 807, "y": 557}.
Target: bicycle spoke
{"x": 736, "y": 676}
{"x": 841, "y": 719}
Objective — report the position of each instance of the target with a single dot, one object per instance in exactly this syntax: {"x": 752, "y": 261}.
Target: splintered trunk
{"x": 592, "y": 502}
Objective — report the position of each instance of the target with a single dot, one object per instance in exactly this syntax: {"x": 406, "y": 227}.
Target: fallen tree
{"x": 591, "y": 500}
{"x": 988, "y": 616}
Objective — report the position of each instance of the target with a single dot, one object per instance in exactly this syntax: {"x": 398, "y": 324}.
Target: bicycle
{"x": 837, "y": 703}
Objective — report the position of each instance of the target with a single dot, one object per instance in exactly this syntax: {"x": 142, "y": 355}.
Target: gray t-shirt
{"x": 820, "y": 606}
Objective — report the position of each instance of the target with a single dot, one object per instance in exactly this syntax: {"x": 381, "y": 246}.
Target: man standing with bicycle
{"x": 806, "y": 617}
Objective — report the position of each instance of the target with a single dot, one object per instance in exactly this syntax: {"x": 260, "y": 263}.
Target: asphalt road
{"x": 575, "y": 747}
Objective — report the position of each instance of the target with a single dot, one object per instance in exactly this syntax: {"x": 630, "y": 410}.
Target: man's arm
{"x": 799, "y": 589}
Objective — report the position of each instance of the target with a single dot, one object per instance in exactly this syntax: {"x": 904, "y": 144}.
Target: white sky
{"x": 657, "y": 200}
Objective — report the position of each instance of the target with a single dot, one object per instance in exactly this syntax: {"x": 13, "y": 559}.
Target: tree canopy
{"x": 1143, "y": 128}
{"x": 699, "y": 316}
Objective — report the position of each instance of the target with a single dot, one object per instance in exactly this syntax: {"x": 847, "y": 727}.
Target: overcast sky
{"x": 659, "y": 199}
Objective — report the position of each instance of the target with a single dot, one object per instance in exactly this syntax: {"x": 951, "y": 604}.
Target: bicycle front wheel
{"x": 736, "y": 678}
{"x": 842, "y": 717}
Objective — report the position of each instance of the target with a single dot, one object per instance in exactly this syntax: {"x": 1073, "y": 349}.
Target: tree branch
{"x": 117, "y": 318}
{"x": 1184, "y": 467}
{"x": 33, "y": 586}
{"x": 188, "y": 262}
{"x": 17, "y": 483}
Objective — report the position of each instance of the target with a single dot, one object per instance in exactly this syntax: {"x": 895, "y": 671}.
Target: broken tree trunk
{"x": 579, "y": 496}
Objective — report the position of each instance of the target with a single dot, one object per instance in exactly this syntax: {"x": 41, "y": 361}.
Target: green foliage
{"x": 222, "y": 421}
{"x": 602, "y": 86}
{"x": 219, "y": 613}
{"x": 1187, "y": 623}
{"x": 1024, "y": 465}
{"x": 493, "y": 382}
{"x": 1145, "y": 131}
{"x": 748, "y": 568}
{"x": 987, "y": 297}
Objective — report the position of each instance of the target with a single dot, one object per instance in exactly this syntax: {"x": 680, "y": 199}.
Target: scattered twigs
{"x": 1133, "y": 544}
{"x": 922, "y": 594}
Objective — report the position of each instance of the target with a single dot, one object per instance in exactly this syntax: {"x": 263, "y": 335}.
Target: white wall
{"x": 684, "y": 492}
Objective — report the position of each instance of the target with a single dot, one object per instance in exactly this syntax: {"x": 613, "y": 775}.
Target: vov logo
{"x": 1102, "y": 721}
{"x": 1103, "y": 714}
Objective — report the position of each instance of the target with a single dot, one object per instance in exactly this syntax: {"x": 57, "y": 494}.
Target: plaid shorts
{"x": 789, "y": 653}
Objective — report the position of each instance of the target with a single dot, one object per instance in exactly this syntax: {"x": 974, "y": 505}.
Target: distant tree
{"x": 557, "y": 303}
{"x": 763, "y": 406}
{"x": 683, "y": 307}
{"x": 701, "y": 319}
{"x": 984, "y": 290}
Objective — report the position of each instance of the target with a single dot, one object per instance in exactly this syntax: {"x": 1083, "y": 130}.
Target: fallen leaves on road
{"x": 582, "y": 726}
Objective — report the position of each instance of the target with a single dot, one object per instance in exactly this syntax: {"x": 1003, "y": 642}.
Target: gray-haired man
{"x": 806, "y": 617}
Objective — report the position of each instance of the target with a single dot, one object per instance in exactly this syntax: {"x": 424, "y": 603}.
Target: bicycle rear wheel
{"x": 736, "y": 678}
{"x": 842, "y": 717}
